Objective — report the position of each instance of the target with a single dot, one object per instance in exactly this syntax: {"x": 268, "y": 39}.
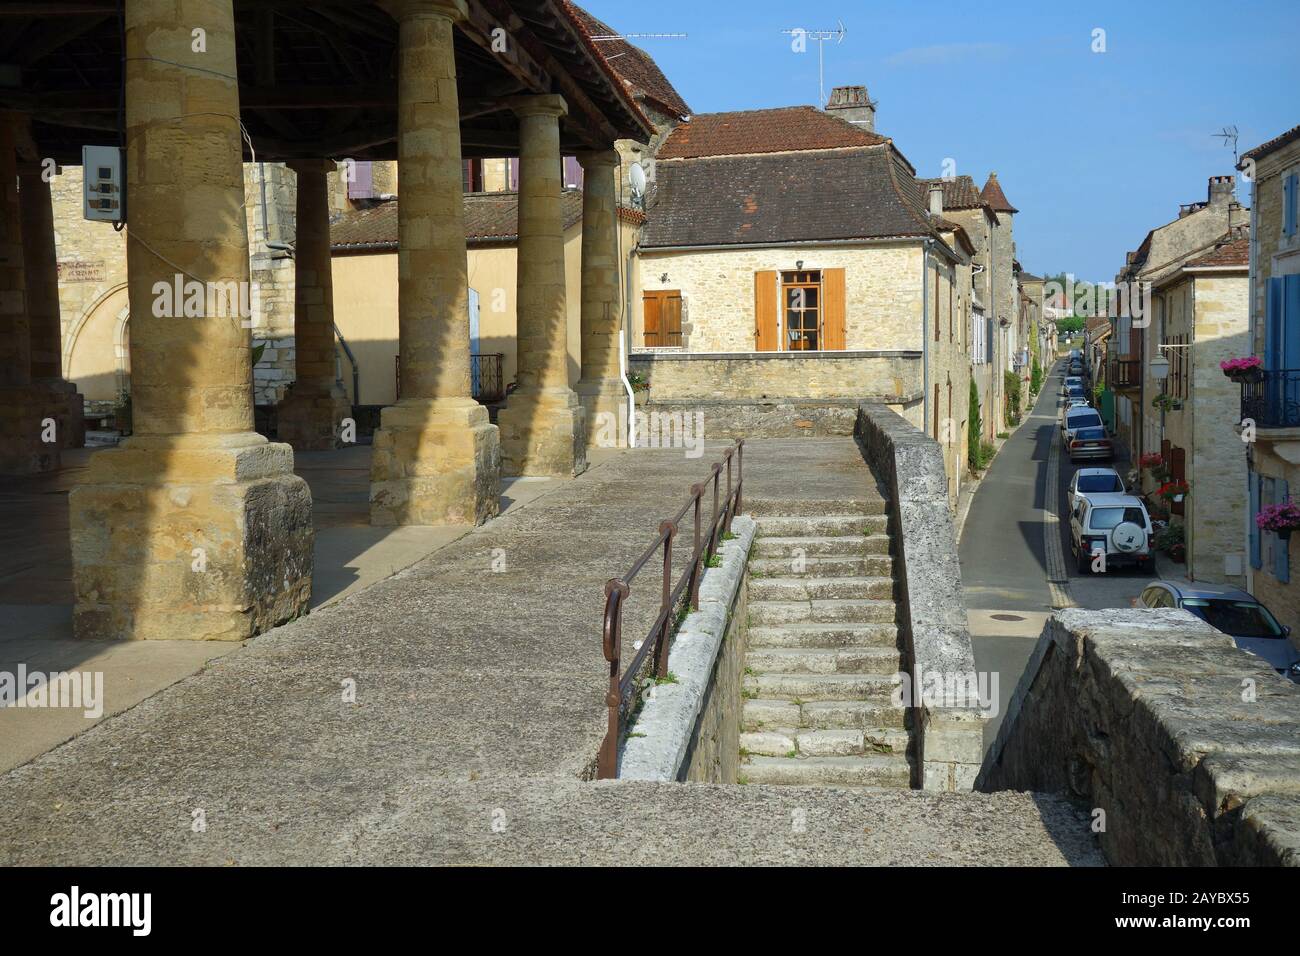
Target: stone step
{"x": 876, "y": 688}
{"x": 822, "y": 526}
{"x": 821, "y": 612}
{"x": 824, "y": 635}
{"x": 761, "y": 713}
{"x": 785, "y": 741}
{"x": 828, "y": 566}
{"x": 823, "y": 660}
{"x": 891, "y": 771}
{"x": 799, "y": 508}
{"x": 778, "y": 546}
{"x": 821, "y": 589}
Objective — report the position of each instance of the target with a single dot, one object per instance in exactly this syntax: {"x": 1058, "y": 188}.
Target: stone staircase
{"x": 823, "y": 647}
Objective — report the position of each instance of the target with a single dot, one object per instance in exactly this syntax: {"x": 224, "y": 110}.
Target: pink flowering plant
{"x": 1235, "y": 366}
{"x": 1283, "y": 517}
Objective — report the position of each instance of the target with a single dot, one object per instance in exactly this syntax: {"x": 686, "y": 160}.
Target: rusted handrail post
{"x": 697, "y": 558}
{"x": 715, "y": 530}
{"x": 668, "y": 531}
{"x": 607, "y": 761}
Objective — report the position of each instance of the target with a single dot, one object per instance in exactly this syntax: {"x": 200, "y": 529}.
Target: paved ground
{"x": 478, "y": 708}
{"x": 1009, "y": 562}
{"x": 36, "y": 586}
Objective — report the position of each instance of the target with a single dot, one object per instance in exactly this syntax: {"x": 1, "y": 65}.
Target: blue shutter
{"x": 1281, "y": 548}
{"x": 1255, "y": 560}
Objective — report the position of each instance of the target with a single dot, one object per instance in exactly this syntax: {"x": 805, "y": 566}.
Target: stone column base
{"x": 435, "y": 462}
{"x": 605, "y": 404}
{"x": 312, "y": 422}
{"x": 68, "y": 408}
{"x": 543, "y": 433}
{"x": 23, "y": 448}
{"x": 190, "y": 538}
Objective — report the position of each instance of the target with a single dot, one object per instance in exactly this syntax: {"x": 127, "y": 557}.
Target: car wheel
{"x": 1083, "y": 562}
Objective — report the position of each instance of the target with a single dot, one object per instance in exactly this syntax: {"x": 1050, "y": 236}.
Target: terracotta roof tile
{"x": 489, "y": 217}
{"x": 1233, "y": 253}
{"x": 993, "y": 195}
{"x": 790, "y": 128}
{"x": 632, "y": 64}
{"x": 959, "y": 192}
{"x": 1276, "y": 143}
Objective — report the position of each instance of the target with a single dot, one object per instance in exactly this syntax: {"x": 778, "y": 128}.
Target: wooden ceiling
{"x": 317, "y": 77}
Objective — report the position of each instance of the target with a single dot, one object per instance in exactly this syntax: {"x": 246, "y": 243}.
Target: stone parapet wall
{"x": 949, "y": 733}
{"x": 1189, "y": 746}
{"x": 891, "y": 376}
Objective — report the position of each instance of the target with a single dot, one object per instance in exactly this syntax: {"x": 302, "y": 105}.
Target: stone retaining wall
{"x": 892, "y": 376}
{"x": 690, "y": 729}
{"x": 1187, "y": 745}
{"x": 947, "y": 729}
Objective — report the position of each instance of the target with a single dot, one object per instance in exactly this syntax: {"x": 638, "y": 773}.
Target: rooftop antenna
{"x": 821, "y": 36}
{"x": 1229, "y": 135}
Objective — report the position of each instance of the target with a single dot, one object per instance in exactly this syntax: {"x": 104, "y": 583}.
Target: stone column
{"x": 42, "y": 278}
{"x": 436, "y": 457}
{"x": 601, "y": 388}
{"x": 543, "y": 430}
{"x": 196, "y": 527}
{"x": 28, "y": 434}
{"x": 311, "y": 414}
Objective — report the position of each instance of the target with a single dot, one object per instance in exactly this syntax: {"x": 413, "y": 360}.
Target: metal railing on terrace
{"x": 1125, "y": 373}
{"x": 675, "y": 598}
{"x": 1271, "y": 399}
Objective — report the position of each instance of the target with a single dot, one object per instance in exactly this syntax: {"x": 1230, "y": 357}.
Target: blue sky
{"x": 1094, "y": 149}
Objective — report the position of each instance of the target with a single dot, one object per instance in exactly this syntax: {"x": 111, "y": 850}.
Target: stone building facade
{"x": 1273, "y": 408}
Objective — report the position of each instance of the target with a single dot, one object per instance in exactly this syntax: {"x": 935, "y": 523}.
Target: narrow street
{"x": 1018, "y": 529}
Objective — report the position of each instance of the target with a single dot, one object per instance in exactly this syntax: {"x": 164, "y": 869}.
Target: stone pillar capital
{"x": 598, "y": 157}
{"x": 545, "y": 104}
{"x": 312, "y": 165}
{"x": 453, "y": 10}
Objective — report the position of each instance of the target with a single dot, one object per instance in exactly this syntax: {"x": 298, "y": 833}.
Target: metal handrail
{"x": 687, "y": 587}
{"x": 1271, "y": 398}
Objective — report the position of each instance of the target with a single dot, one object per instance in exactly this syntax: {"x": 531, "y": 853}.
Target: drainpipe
{"x": 925, "y": 335}
{"x": 624, "y": 333}
{"x": 1251, "y": 317}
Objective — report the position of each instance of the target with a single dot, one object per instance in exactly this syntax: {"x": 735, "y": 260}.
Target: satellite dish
{"x": 637, "y": 177}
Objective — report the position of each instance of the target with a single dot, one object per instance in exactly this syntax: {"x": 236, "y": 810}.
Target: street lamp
{"x": 1160, "y": 367}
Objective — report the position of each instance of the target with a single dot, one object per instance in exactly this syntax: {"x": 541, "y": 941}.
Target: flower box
{"x": 1247, "y": 369}
{"x": 1280, "y": 519}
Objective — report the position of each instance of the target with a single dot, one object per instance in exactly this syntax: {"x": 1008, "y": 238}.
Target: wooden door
{"x": 765, "y": 310}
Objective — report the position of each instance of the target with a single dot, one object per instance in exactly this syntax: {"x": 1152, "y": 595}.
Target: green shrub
{"x": 1035, "y": 378}
{"x": 974, "y": 428}
{"x": 1011, "y": 383}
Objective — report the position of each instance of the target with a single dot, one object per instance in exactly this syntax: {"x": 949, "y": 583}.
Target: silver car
{"x": 1235, "y": 613}
{"x": 1072, "y": 419}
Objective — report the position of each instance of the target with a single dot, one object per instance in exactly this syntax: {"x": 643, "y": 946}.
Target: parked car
{"x": 1072, "y": 419}
{"x": 1095, "y": 481}
{"x": 1115, "y": 525}
{"x": 1091, "y": 443}
{"x": 1071, "y": 380}
{"x": 1235, "y": 613}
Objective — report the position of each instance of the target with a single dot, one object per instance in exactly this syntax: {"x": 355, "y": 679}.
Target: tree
{"x": 974, "y": 430}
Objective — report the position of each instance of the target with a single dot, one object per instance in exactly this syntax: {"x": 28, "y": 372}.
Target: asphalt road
{"x": 1004, "y": 555}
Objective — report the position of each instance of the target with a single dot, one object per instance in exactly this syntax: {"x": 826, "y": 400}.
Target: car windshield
{"x": 1075, "y": 389}
{"x": 1089, "y": 419}
{"x": 1100, "y": 483}
{"x": 1090, "y": 433}
{"x": 1238, "y": 618}
{"x": 1103, "y": 519}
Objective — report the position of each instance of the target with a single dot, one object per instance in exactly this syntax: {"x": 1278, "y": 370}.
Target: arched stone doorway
{"x": 96, "y": 349}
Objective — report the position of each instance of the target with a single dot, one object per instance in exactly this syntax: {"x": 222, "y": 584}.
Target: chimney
{"x": 936, "y": 199}
{"x": 1221, "y": 190}
{"x": 852, "y": 104}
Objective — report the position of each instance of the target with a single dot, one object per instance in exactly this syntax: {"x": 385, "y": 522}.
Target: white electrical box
{"x": 104, "y": 198}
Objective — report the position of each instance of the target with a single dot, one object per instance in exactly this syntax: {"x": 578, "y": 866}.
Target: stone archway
{"x": 96, "y": 348}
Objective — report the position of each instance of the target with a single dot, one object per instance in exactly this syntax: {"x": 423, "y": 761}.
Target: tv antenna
{"x": 1229, "y": 136}
{"x": 821, "y": 36}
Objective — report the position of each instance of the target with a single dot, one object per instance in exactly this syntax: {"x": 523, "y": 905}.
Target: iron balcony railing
{"x": 685, "y": 592}
{"x": 1271, "y": 399}
{"x": 486, "y": 382}
{"x": 1125, "y": 373}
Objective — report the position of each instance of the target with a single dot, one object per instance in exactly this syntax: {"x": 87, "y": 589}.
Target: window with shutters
{"x": 799, "y": 310}
{"x": 662, "y": 311}
{"x": 471, "y": 175}
{"x": 801, "y": 297}
{"x": 1290, "y": 204}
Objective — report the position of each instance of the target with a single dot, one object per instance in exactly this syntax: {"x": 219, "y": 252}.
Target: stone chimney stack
{"x": 936, "y": 199}
{"x": 851, "y": 103}
{"x": 1221, "y": 190}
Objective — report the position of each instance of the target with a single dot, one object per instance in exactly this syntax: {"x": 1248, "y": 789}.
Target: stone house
{"x": 1272, "y": 407}
{"x": 1199, "y": 228}
{"x": 1201, "y": 319}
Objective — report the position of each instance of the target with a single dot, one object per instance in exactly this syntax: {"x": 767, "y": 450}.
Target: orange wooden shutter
{"x": 652, "y": 302}
{"x": 765, "y": 312}
{"x": 671, "y": 318}
{"x": 833, "y": 335}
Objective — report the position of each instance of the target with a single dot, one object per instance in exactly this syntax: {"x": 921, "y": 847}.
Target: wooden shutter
{"x": 765, "y": 339}
{"x": 1255, "y": 561}
{"x": 833, "y": 333}
{"x": 1282, "y": 549}
{"x": 670, "y": 318}
{"x": 652, "y": 302}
